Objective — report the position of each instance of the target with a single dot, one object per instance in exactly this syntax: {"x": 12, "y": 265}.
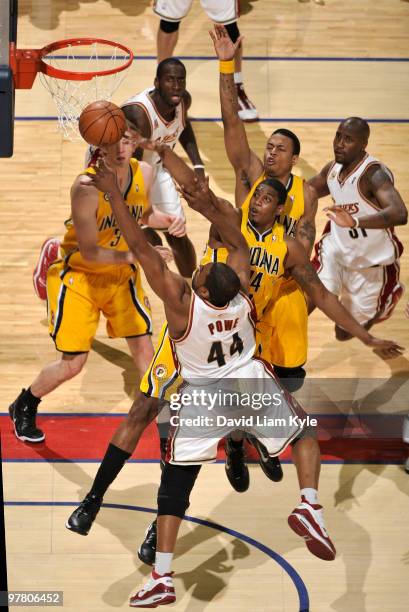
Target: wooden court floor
{"x": 365, "y": 504}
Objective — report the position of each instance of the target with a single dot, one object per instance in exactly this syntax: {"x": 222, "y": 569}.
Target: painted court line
{"x": 291, "y": 572}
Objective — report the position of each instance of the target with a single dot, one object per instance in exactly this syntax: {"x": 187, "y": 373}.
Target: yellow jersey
{"x": 109, "y": 234}
{"x": 267, "y": 255}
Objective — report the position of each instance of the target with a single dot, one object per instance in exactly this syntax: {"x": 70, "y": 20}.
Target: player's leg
{"x": 226, "y": 12}
{"x": 73, "y": 321}
{"x": 165, "y": 197}
{"x": 159, "y": 376}
{"x": 171, "y": 14}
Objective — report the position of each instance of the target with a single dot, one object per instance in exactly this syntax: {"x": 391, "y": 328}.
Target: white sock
{"x": 311, "y": 495}
{"x": 163, "y": 561}
{"x": 238, "y": 77}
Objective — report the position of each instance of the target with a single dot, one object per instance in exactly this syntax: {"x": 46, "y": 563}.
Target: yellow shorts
{"x": 287, "y": 318}
{"x": 76, "y": 299}
{"x": 161, "y": 378}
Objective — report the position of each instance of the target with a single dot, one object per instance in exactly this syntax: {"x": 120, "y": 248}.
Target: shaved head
{"x": 356, "y": 124}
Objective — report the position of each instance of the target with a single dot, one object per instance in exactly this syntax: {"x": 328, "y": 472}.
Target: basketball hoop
{"x": 76, "y": 72}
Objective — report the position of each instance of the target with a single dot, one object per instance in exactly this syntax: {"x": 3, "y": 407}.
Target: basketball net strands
{"x": 76, "y": 72}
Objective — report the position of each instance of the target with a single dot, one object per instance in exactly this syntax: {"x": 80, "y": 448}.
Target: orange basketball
{"x": 102, "y": 123}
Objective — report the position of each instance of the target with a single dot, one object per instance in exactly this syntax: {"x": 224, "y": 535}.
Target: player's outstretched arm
{"x": 225, "y": 221}
{"x": 188, "y": 139}
{"x": 377, "y": 184}
{"x": 304, "y": 273}
{"x": 245, "y": 162}
{"x": 306, "y": 230}
{"x": 170, "y": 287}
{"x": 319, "y": 182}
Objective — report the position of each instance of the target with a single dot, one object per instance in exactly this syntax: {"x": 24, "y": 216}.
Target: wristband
{"x": 226, "y": 67}
{"x": 356, "y": 222}
{"x": 196, "y": 166}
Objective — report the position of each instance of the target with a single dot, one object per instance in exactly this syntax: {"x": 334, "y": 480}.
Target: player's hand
{"x": 140, "y": 141}
{"x": 223, "y": 45}
{"x": 197, "y": 194}
{"x": 103, "y": 177}
{"x": 177, "y": 227}
{"x": 340, "y": 216}
{"x": 200, "y": 173}
{"x": 165, "y": 253}
{"x": 386, "y": 348}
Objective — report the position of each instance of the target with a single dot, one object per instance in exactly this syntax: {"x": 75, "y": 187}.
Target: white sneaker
{"x": 158, "y": 591}
{"x": 308, "y": 522}
{"x": 247, "y": 110}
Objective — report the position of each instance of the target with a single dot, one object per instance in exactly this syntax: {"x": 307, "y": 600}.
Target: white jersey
{"x": 358, "y": 247}
{"x": 217, "y": 341}
{"x": 163, "y": 131}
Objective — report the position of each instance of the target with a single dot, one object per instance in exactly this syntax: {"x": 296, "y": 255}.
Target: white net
{"x": 72, "y": 96}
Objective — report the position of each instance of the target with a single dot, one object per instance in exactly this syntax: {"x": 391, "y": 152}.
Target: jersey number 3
{"x": 216, "y": 350}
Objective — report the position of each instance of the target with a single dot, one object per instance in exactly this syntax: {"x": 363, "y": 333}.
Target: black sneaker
{"x": 82, "y": 518}
{"x": 147, "y": 549}
{"x": 236, "y": 469}
{"x": 24, "y": 419}
{"x": 271, "y": 466}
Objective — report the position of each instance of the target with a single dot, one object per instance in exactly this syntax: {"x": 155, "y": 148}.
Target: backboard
{"x": 8, "y": 34}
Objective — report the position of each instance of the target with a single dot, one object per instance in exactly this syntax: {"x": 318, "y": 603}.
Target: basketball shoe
{"x": 247, "y": 110}
{"x": 23, "y": 416}
{"x": 147, "y": 549}
{"x": 82, "y": 518}
{"x": 237, "y": 471}
{"x": 48, "y": 254}
{"x": 308, "y": 522}
{"x": 271, "y": 466}
{"x": 158, "y": 591}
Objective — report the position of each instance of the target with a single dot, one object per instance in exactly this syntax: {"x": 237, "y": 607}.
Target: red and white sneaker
{"x": 158, "y": 591}
{"x": 247, "y": 110}
{"x": 48, "y": 254}
{"x": 307, "y": 521}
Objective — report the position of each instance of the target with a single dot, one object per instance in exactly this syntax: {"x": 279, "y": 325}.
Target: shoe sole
{"x": 37, "y": 269}
{"x": 314, "y": 542}
{"x": 169, "y": 599}
{"x": 26, "y": 438}
{"x": 83, "y": 533}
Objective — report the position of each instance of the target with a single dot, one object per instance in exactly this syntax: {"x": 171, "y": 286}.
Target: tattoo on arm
{"x": 306, "y": 231}
{"x": 230, "y": 94}
{"x": 306, "y": 276}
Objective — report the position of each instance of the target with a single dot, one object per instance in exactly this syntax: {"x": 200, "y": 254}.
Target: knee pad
{"x": 175, "y": 486}
{"x": 233, "y": 31}
{"x": 292, "y": 379}
{"x": 169, "y": 26}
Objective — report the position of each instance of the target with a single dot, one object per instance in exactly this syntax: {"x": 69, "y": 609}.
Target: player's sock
{"x": 109, "y": 469}
{"x": 30, "y": 399}
{"x": 310, "y": 495}
{"x": 238, "y": 77}
{"x": 163, "y": 561}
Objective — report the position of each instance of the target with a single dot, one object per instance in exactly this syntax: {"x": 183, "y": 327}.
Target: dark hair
{"x": 292, "y": 137}
{"x": 358, "y": 125}
{"x": 222, "y": 283}
{"x": 169, "y": 61}
{"x": 278, "y": 187}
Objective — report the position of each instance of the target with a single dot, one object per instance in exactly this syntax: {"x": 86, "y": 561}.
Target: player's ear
{"x": 156, "y": 83}
{"x": 294, "y": 159}
{"x": 279, "y": 209}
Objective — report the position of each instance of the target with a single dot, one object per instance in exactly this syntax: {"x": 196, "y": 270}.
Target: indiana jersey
{"x": 267, "y": 255}
{"x": 109, "y": 235}
{"x": 217, "y": 340}
{"x": 359, "y": 247}
{"x": 162, "y": 131}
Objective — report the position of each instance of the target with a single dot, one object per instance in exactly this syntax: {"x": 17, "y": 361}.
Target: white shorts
{"x": 369, "y": 294}
{"x": 219, "y": 11}
{"x": 267, "y": 412}
{"x": 163, "y": 193}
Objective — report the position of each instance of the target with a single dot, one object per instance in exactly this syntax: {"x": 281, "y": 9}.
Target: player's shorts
{"x": 76, "y": 299}
{"x": 219, "y": 11}
{"x": 369, "y": 294}
{"x": 204, "y": 412}
{"x": 163, "y": 194}
{"x": 284, "y": 327}
{"x": 161, "y": 378}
